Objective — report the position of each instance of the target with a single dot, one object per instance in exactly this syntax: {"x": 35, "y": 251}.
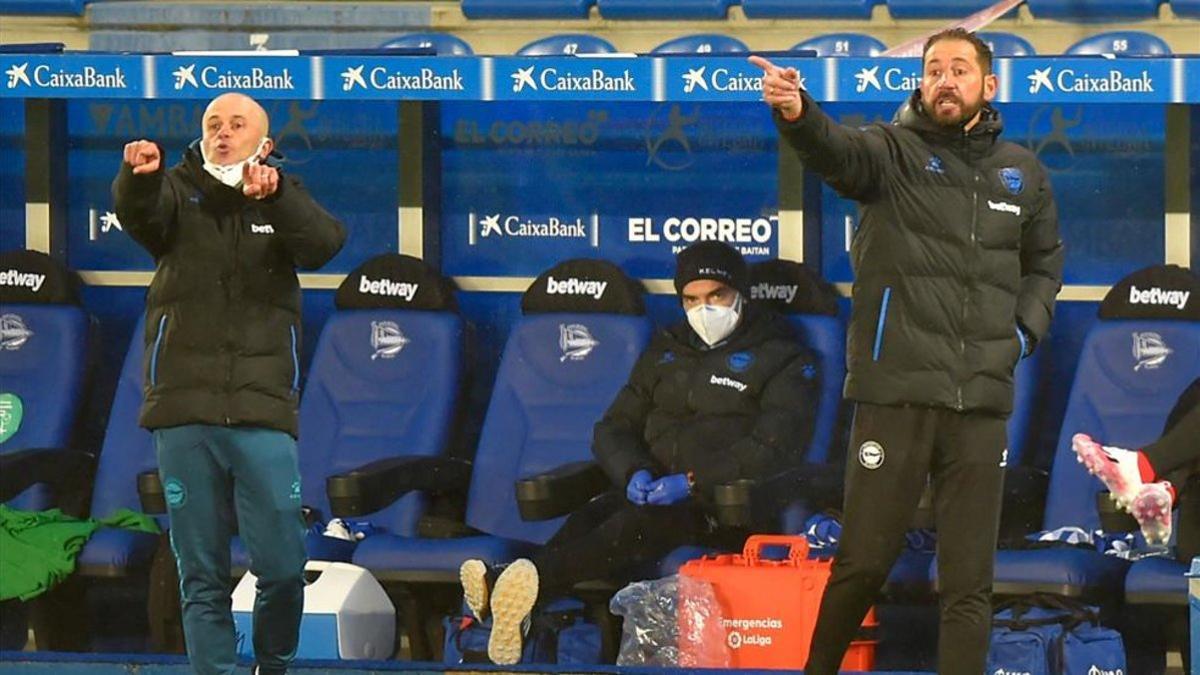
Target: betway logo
{"x": 214, "y": 78}
{"x": 727, "y": 382}
{"x": 894, "y": 79}
{"x": 399, "y": 289}
{"x": 1097, "y": 670}
{"x": 44, "y": 76}
{"x": 22, "y": 279}
{"x": 381, "y": 79}
{"x": 765, "y": 291}
{"x": 550, "y": 79}
{"x": 1067, "y": 81}
{"x": 721, "y": 80}
{"x": 691, "y": 229}
{"x": 1004, "y": 207}
{"x": 1157, "y": 296}
{"x": 575, "y": 286}
{"x": 265, "y": 228}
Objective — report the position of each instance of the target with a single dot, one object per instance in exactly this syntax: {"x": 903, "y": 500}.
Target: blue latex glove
{"x": 639, "y": 485}
{"x": 669, "y": 490}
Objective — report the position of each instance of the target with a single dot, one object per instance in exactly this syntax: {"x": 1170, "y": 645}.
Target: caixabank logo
{"x": 877, "y": 79}
{"x": 441, "y": 78}
{"x": 728, "y": 79}
{"x": 26, "y": 75}
{"x": 500, "y": 226}
{"x": 573, "y": 79}
{"x": 1084, "y": 80}
{"x": 199, "y": 77}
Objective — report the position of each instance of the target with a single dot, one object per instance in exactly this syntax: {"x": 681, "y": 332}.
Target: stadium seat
{"x": 712, "y": 43}
{"x": 557, "y": 45}
{"x": 937, "y": 9}
{"x": 1089, "y": 11}
{"x": 1186, "y": 9}
{"x": 666, "y": 10}
{"x": 384, "y": 383}
{"x": 1133, "y": 365}
{"x": 1123, "y": 43}
{"x": 442, "y": 43}
{"x": 562, "y": 365}
{"x": 1007, "y": 44}
{"x": 526, "y": 9}
{"x": 808, "y": 9}
{"x": 45, "y": 342}
{"x": 842, "y": 44}
{"x": 44, "y": 7}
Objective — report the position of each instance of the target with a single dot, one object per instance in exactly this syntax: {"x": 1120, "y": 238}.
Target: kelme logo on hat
{"x": 11, "y": 413}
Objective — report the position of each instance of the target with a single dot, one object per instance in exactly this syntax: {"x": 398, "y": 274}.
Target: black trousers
{"x": 611, "y": 538}
{"x": 1176, "y": 457}
{"x": 893, "y": 452}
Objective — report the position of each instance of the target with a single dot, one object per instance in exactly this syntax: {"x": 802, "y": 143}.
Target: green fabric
{"x": 38, "y": 548}
{"x": 11, "y": 413}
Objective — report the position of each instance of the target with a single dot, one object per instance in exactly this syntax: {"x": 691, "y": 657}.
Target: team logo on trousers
{"x": 870, "y": 455}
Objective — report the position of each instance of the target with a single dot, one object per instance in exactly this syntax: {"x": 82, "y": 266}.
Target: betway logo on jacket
{"x": 17, "y": 278}
{"x": 400, "y": 289}
{"x": 575, "y": 286}
{"x": 1068, "y": 80}
{"x": 380, "y": 78}
{"x": 553, "y": 79}
{"x": 1158, "y": 296}
{"x": 727, "y": 382}
{"x": 768, "y": 291}
{"x": 195, "y": 76}
{"x": 44, "y": 75}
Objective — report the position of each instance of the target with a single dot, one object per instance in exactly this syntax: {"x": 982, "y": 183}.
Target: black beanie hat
{"x": 711, "y": 260}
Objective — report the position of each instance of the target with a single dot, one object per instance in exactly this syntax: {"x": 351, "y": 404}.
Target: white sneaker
{"x": 513, "y": 598}
{"x": 473, "y": 575}
{"x": 1117, "y": 468}
{"x": 1152, "y": 509}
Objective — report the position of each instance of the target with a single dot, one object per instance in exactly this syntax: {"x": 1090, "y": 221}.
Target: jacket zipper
{"x": 162, "y": 328}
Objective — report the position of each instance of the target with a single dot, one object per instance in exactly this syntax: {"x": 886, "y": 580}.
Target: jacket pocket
{"x": 295, "y": 360}
{"x": 156, "y": 351}
{"x": 881, "y": 324}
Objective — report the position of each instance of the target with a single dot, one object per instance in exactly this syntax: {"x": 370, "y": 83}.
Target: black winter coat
{"x": 223, "y": 311}
{"x": 742, "y": 409}
{"x": 957, "y": 244}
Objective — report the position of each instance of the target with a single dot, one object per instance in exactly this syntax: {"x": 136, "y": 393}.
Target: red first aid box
{"x": 768, "y": 607}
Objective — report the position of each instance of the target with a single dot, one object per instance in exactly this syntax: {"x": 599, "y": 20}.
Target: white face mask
{"x": 231, "y": 174}
{"x": 714, "y": 323}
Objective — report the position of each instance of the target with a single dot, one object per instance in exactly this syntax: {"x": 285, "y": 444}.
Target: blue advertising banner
{"x": 580, "y": 78}
{"x": 263, "y": 77}
{"x": 1087, "y": 80}
{"x": 877, "y": 79}
{"x": 93, "y": 76}
{"x": 443, "y": 78}
{"x": 731, "y": 78}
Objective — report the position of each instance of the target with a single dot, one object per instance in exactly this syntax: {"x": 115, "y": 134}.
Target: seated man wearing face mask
{"x": 727, "y": 394}
{"x": 227, "y": 229}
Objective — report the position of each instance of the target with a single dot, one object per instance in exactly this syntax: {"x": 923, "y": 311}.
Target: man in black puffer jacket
{"x": 728, "y": 394}
{"x": 227, "y": 230}
{"x": 957, "y": 263}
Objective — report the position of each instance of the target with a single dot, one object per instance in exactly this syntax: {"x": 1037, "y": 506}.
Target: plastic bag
{"x": 653, "y": 613}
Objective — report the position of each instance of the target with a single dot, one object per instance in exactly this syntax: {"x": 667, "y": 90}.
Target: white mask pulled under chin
{"x": 714, "y": 323}
{"x": 231, "y": 174}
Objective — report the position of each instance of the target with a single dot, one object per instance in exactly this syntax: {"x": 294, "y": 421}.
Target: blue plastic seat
{"x": 711, "y": 43}
{"x": 937, "y": 9}
{"x": 808, "y": 9}
{"x": 1133, "y": 365}
{"x": 44, "y": 7}
{"x": 664, "y": 9}
{"x": 1186, "y": 9}
{"x": 1007, "y": 44}
{"x": 442, "y": 43}
{"x": 562, "y": 365}
{"x": 557, "y": 45}
{"x": 526, "y": 9}
{"x": 1123, "y": 43}
{"x": 45, "y": 343}
{"x": 384, "y": 382}
{"x": 843, "y": 44}
{"x": 1089, "y": 11}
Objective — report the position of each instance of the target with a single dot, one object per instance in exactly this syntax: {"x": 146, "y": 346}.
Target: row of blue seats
{"x": 385, "y": 381}
{"x": 1069, "y": 10}
{"x": 1129, "y": 43}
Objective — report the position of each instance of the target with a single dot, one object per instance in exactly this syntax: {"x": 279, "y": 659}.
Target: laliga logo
{"x": 894, "y": 79}
{"x": 1068, "y": 81}
{"x": 13, "y": 333}
{"x": 386, "y": 339}
{"x": 575, "y": 341}
{"x": 1149, "y": 350}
